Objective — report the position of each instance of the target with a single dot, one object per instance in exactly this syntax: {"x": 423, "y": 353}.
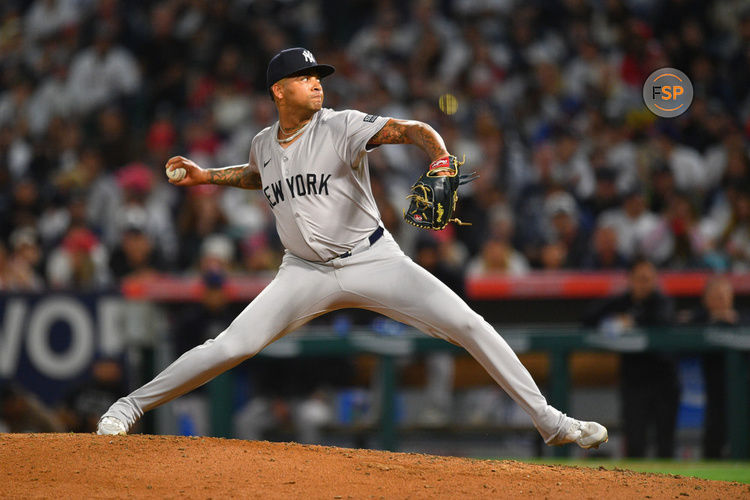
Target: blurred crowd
{"x": 95, "y": 96}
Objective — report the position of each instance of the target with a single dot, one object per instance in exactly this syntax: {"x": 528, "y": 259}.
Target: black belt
{"x": 375, "y": 236}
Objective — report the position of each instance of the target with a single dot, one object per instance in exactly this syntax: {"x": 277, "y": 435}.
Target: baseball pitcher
{"x": 311, "y": 166}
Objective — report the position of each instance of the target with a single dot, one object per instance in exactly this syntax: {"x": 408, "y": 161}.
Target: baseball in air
{"x": 448, "y": 104}
{"x": 177, "y": 174}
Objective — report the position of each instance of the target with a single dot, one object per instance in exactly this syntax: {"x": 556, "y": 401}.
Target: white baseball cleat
{"x": 587, "y": 435}
{"x": 111, "y": 426}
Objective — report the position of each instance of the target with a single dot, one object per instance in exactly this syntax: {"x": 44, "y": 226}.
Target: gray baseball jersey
{"x": 319, "y": 186}
{"x": 319, "y": 191}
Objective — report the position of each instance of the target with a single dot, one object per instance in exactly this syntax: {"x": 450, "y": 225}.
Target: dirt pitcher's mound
{"x": 85, "y": 465}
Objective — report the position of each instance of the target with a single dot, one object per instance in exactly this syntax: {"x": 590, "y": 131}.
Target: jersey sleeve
{"x": 352, "y": 130}
{"x": 252, "y": 159}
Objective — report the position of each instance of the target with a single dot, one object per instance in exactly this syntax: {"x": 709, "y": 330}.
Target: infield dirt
{"x": 89, "y": 466}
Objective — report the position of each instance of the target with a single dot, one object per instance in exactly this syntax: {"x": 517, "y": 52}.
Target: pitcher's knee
{"x": 466, "y": 327}
{"x": 240, "y": 346}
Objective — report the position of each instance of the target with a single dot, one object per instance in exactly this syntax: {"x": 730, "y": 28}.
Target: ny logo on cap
{"x": 308, "y": 57}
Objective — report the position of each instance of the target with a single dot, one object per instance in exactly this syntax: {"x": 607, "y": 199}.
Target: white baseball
{"x": 177, "y": 174}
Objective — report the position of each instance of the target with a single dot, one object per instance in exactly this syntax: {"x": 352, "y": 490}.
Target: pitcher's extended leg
{"x": 297, "y": 294}
{"x": 390, "y": 283}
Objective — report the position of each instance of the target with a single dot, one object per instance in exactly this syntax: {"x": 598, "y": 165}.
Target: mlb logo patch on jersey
{"x": 370, "y": 118}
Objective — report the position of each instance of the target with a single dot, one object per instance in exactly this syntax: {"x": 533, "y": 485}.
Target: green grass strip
{"x": 715, "y": 470}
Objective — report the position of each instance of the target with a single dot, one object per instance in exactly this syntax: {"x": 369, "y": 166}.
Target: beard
{"x": 316, "y": 104}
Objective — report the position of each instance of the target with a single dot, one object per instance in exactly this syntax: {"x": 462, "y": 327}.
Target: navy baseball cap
{"x": 295, "y": 60}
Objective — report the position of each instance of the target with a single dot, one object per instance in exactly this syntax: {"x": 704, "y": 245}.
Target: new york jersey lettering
{"x": 278, "y": 193}
{"x": 297, "y": 186}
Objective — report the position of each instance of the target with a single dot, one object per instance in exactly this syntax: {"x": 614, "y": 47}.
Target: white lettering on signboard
{"x": 79, "y": 353}
{"x": 111, "y": 336}
{"x": 11, "y": 336}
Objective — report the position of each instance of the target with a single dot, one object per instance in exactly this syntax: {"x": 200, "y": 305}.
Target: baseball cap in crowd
{"x": 560, "y": 203}
{"x": 295, "y": 60}
{"x": 218, "y": 246}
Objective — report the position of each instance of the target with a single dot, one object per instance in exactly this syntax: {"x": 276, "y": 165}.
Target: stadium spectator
{"x": 498, "y": 256}
{"x": 15, "y": 104}
{"x": 552, "y": 256}
{"x": 216, "y": 254}
{"x": 79, "y": 262}
{"x": 497, "y": 253}
{"x": 50, "y": 100}
{"x": 145, "y": 198}
{"x": 735, "y": 238}
{"x": 621, "y": 151}
{"x": 681, "y": 225}
{"x": 196, "y": 323}
{"x": 114, "y": 139}
{"x": 720, "y": 206}
{"x": 488, "y": 214}
{"x": 46, "y": 17}
{"x": 199, "y": 217}
{"x": 161, "y": 138}
{"x": 23, "y": 265}
{"x": 717, "y": 309}
{"x": 663, "y": 188}
{"x": 637, "y": 228}
{"x": 103, "y": 73}
{"x": 686, "y": 163}
{"x": 231, "y": 105}
{"x": 603, "y": 198}
{"x": 564, "y": 231}
{"x": 603, "y": 253}
{"x": 25, "y": 205}
{"x": 648, "y": 381}
{"x": 531, "y": 201}
{"x": 572, "y": 169}
{"x": 135, "y": 255}
{"x": 163, "y": 54}
{"x": 727, "y": 155}
{"x": 101, "y": 191}
{"x": 64, "y": 209}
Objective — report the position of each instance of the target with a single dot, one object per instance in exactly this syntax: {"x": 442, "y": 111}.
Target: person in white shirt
{"x": 102, "y": 73}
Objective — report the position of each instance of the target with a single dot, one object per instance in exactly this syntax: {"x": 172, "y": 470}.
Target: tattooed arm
{"x": 411, "y": 132}
{"x": 242, "y": 176}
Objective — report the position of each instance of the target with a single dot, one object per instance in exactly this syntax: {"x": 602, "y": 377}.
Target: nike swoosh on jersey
{"x": 266, "y": 162}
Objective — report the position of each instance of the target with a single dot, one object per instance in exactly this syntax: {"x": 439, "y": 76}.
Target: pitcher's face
{"x": 302, "y": 91}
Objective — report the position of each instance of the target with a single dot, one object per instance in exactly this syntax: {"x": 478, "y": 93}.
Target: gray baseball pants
{"x": 380, "y": 278}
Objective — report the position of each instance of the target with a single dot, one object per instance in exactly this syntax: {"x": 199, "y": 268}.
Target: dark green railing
{"x": 559, "y": 343}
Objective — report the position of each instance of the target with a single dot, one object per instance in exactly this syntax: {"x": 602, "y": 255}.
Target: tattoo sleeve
{"x": 241, "y": 176}
{"x": 411, "y": 132}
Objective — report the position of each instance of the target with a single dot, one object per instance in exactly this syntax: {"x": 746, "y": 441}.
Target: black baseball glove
{"x": 435, "y": 194}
